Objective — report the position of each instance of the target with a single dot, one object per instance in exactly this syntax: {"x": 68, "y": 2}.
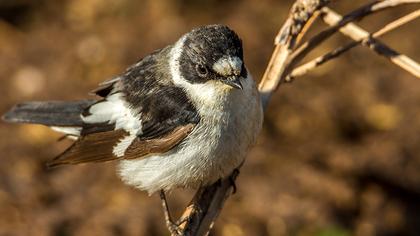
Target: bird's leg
{"x": 173, "y": 228}
{"x": 232, "y": 179}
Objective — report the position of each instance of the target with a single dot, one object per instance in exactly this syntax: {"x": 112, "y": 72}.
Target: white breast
{"x": 230, "y": 122}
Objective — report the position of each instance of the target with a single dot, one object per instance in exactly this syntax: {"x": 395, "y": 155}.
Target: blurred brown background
{"x": 338, "y": 156}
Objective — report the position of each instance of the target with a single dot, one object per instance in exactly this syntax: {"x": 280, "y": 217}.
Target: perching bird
{"x": 183, "y": 116}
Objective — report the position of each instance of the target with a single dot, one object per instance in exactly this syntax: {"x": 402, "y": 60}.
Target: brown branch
{"x": 413, "y": 67}
{"x": 206, "y": 206}
{"x": 397, "y": 23}
{"x": 301, "y": 15}
{"x": 357, "y": 33}
{"x": 355, "y": 15}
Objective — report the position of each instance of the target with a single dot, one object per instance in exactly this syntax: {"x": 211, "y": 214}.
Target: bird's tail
{"x": 49, "y": 113}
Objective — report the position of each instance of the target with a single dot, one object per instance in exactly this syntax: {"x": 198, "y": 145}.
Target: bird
{"x": 183, "y": 116}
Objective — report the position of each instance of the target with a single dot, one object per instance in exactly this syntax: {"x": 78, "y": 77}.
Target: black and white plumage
{"x": 183, "y": 116}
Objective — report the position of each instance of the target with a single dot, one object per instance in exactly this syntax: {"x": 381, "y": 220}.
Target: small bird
{"x": 182, "y": 117}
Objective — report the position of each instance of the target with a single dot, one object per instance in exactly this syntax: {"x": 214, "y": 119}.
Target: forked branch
{"x": 336, "y": 25}
{"x": 364, "y": 38}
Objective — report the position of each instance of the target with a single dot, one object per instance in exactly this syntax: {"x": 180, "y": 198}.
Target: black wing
{"x": 148, "y": 86}
{"x": 166, "y": 114}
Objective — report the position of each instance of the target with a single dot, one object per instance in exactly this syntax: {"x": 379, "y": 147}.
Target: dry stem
{"x": 336, "y": 25}
{"x": 355, "y": 32}
{"x": 300, "y": 18}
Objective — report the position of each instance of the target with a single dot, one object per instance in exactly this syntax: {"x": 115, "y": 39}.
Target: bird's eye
{"x": 201, "y": 70}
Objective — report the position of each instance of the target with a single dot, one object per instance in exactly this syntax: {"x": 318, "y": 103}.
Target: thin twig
{"x": 307, "y": 26}
{"x": 300, "y": 14}
{"x": 168, "y": 218}
{"x": 357, "y": 33}
{"x": 305, "y": 68}
{"x": 357, "y": 14}
{"x": 397, "y": 23}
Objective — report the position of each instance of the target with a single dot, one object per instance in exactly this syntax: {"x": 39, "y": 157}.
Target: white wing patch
{"x": 123, "y": 144}
{"x": 114, "y": 110}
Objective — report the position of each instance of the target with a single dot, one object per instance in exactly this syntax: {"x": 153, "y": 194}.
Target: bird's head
{"x": 211, "y": 53}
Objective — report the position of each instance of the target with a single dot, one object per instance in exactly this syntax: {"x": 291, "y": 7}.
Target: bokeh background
{"x": 338, "y": 155}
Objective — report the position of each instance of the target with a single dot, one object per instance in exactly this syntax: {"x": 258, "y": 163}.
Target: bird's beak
{"x": 233, "y": 81}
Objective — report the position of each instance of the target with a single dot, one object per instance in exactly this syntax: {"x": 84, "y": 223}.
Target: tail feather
{"x": 50, "y": 113}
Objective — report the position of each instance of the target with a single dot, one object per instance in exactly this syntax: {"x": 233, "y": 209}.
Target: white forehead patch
{"x": 227, "y": 66}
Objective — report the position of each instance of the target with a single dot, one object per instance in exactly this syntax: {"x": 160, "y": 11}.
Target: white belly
{"x": 230, "y": 122}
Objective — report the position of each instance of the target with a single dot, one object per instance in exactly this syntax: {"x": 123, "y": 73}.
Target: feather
{"x": 140, "y": 147}
{"x": 95, "y": 147}
{"x": 99, "y": 147}
{"x": 51, "y": 113}
{"x": 106, "y": 87}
